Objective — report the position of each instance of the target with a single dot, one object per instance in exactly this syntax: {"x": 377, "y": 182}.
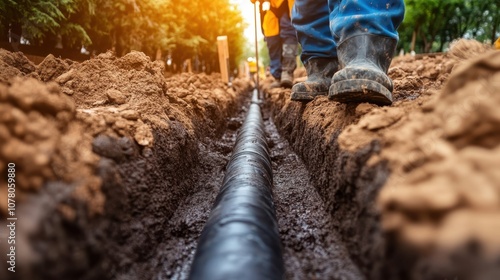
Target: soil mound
{"x": 89, "y": 140}
{"x": 13, "y": 65}
{"x": 444, "y": 194}
{"x": 414, "y": 185}
{"x": 467, "y": 49}
{"x": 40, "y": 135}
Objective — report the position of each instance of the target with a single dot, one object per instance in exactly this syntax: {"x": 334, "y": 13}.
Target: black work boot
{"x": 288, "y": 64}
{"x": 319, "y": 78}
{"x": 364, "y": 61}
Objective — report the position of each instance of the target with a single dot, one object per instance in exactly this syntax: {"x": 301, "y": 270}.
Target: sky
{"x": 246, "y": 8}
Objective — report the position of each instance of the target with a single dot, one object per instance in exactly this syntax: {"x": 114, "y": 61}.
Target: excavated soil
{"x": 117, "y": 168}
{"x": 412, "y": 189}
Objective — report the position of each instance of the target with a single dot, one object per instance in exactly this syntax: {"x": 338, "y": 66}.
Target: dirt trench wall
{"x": 344, "y": 181}
{"x": 116, "y": 145}
{"x": 407, "y": 185}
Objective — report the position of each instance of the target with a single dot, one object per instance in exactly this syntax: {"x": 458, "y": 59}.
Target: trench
{"x": 312, "y": 248}
{"x": 159, "y": 199}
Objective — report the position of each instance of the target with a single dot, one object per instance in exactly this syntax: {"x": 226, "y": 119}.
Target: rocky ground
{"x": 117, "y": 167}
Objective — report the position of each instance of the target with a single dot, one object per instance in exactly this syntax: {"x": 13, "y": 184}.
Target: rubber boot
{"x": 319, "y": 79}
{"x": 288, "y": 64}
{"x": 364, "y": 61}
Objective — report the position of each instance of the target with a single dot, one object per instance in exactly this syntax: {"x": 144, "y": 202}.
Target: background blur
{"x": 182, "y": 29}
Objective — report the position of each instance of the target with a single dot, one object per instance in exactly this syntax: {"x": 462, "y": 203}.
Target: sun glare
{"x": 247, "y": 11}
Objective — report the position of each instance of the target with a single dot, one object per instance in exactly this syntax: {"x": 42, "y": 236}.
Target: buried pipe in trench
{"x": 240, "y": 239}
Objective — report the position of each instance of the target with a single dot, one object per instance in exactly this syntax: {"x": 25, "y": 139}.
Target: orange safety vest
{"x": 271, "y": 21}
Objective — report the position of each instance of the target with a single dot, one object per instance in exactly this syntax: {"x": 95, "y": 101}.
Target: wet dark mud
{"x": 312, "y": 246}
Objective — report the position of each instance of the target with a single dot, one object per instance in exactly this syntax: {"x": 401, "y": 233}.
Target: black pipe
{"x": 241, "y": 239}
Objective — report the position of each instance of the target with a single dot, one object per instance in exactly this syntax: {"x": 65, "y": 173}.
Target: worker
{"x": 347, "y": 47}
{"x": 281, "y": 40}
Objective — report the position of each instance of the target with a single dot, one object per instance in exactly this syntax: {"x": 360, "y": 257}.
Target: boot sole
{"x": 305, "y": 96}
{"x": 360, "y": 91}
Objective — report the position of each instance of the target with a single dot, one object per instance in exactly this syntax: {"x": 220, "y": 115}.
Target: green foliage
{"x": 43, "y": 20}
{"x": 200, "y": 23}
{"x": 430, "y": 25}
{"x": 184, "y": 28}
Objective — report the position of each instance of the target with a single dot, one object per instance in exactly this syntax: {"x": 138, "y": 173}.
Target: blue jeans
{"x": 275, "y": 44}
{"x": 324, "y": 24}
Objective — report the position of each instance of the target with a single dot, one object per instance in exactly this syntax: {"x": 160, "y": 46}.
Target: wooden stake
{"x": 223, "y": 50}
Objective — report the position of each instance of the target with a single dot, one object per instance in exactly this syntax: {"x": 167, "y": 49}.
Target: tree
{"x": 202, "y": 21}
{"x": 42, "y": 21}
{"x": 186, "y": 29}
{"x": 430, "y": 25}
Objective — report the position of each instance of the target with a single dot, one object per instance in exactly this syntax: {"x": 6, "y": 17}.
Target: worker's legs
{"x": 274, "y": 47}
{"x": 322, "y": 24}
{"x": 310, "y": 19}
{"x": 319, "y": 51}
{"x": 365, "y": 32}
{"x": 271, "y": 28}
{"x": 357, "y": 17}
{"x": 362, "y": 35}
{"x": 289, "y": 50}
{"x": 287, "y": 32}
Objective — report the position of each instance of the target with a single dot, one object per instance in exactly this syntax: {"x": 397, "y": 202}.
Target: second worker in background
{"x": 281, "y": 40}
